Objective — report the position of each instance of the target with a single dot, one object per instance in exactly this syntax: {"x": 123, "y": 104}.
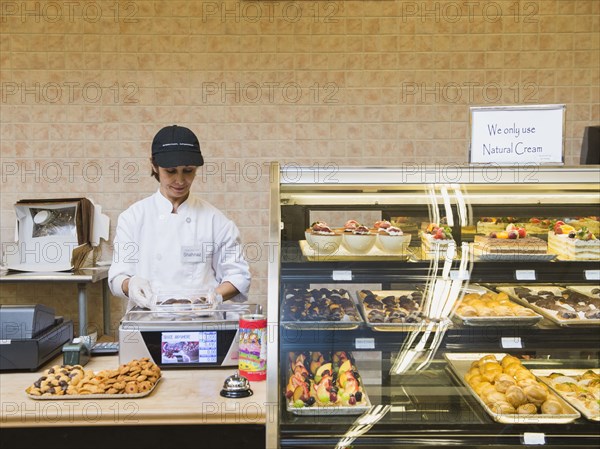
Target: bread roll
{"x": 508, "y": 360}
{"x": 527, "y": 409}
{"x": 466, "y": 311}
{"x": 515, "y": 396}
{"x": 483, "y": 385}
{"x": 503, "y": 381}
{"x": 512, "y": 368}
{"x": 523, "y": 374}
{"x": 535, "y": 394}
{"x": 526, "y": 382}
{"x": 502, "y": 408}
{"x": 494, "y": 396}
{"x": 551, "y": 408}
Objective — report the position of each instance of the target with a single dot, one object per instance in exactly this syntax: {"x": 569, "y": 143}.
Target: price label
{"x": 592, "y": 275}
{"x": 534, "y": 438}
{"x": 460, "y": 275}
{"x": 525, "y": 275}
{"x": 364, "y": 343}
{"x": 339, "y": 275}
{"x": 511, "y": 343}
{"x": 4, "y": 342}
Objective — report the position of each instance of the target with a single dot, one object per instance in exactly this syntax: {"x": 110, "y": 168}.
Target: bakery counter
{"x": 182, "y": 397}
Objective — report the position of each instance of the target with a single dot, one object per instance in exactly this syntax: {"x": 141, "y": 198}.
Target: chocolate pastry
{"x": 567, "y": 314}
{"x": 593, "y": 314}
{"x": 376, "y": 316}
{"x": 389, "y": 300}
{"x": 546, "y": 303}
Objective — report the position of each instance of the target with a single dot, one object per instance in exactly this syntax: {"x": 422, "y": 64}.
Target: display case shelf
{"x": 430, "y": 408}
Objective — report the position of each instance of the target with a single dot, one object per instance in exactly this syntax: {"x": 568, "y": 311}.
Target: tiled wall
{"x": 85, "y": 85}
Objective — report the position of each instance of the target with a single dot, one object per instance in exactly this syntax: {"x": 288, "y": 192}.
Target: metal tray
{"x": 331, "y": 410}
{"x": 495, "y": 320}
{"x": 323, "y": 324}
{"x": 388, "y": 327}
{"x": 571, "y": 398}
{"x": 482, "y": 256}
{"x": 460, "y": 365}
{"x": 583, "y": 289}
{"x": 68, "y": 397}
{"x": 342, "y": 254}
{"x": 545, "y": 312}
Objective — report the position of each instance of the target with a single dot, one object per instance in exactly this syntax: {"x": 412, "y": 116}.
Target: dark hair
{"x": 153, "y": 173}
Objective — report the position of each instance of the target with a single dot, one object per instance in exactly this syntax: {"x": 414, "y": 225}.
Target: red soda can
{"x": 252, "y": 361}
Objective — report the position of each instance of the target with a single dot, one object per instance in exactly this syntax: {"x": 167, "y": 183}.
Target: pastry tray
{"x": 483, "y": 256}
{"x": 388, "y": 327}
{"x": 571, "y": 398}
{"x": 331, "y": 410}
{"x": 342, "y": 254}
{"x": 495, "y": 320}
{"x": 583, "y": 289}
{"x": 324, "y": 324}
{"x": 68, "y": 397}
{"x": 460, "y": 364}
{"x": 545, "y": 312}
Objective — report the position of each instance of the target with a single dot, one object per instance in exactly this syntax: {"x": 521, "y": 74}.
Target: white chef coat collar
{"x": 164, "y": 206}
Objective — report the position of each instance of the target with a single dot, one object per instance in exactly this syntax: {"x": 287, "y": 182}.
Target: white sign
{"x": 507, "y": 135}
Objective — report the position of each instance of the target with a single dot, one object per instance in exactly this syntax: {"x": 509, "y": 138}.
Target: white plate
{"x": 460, "y": 365}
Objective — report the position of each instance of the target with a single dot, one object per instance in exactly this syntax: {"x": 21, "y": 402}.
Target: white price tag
{"x": 339, "y": 275}
{"x": 511, "y": 343}
{"x": 460, "y": 275}
{"x": 364, "y": 343}
{"x": 592, "y": 275}
{"x": 5, "y": 342}
{"x": 534, "y": 438}
{"x": 525, "y": 275}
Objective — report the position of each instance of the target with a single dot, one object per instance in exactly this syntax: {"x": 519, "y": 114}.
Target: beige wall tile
{"x": 375, "y": 82}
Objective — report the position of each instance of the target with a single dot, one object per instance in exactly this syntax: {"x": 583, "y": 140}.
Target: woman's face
{"x": 175, "y": 183}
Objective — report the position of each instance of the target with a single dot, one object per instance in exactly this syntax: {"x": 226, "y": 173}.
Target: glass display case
{"x": 430, "y": 306}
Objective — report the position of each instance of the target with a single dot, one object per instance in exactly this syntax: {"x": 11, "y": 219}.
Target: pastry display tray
{"x": 460, "y": 364}
{"x": 68, "y": 397}
{"x": 483, "y": 256}
{"x": 342, "y": 254}
{"x": 495, "y": 320}
{"x": 388, "y": 327}
{"x": 323, "y": 324}
{"x": 510, "y": 290}
{"x": 571, "y": 398}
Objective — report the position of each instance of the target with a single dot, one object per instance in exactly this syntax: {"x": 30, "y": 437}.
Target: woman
{"x": 174, "y": 241}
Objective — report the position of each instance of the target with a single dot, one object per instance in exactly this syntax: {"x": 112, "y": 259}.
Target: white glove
{"x": 215, "y": 298}
{"x": 140, "y": 292}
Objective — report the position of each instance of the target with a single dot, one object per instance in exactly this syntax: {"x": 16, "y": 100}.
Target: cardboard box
{"x": 56, "y": 234}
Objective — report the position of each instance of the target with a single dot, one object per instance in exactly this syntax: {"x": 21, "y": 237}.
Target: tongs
{"x": 445, "y": 295}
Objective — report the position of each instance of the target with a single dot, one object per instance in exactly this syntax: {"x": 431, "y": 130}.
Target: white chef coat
{"x": 195, "y": 249}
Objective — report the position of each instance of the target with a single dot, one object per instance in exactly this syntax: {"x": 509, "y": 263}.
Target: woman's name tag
{"x": 191, "y": 254}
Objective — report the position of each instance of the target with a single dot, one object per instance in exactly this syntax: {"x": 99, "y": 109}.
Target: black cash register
{"x": 30, "y": 335}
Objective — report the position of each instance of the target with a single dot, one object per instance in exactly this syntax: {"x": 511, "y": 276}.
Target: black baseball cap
{"x": 176, "y": 145}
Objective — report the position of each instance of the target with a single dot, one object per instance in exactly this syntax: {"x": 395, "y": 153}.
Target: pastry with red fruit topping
{"x": 322, "y": 238}
{"x": 573, "y": 244}
{"x": 381, "y": 225}
{"x": 436, "y": 236}
{"x": 485, "y": 225}
{"x": 351, "y": 225}
{"x": 512, "y": 240}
